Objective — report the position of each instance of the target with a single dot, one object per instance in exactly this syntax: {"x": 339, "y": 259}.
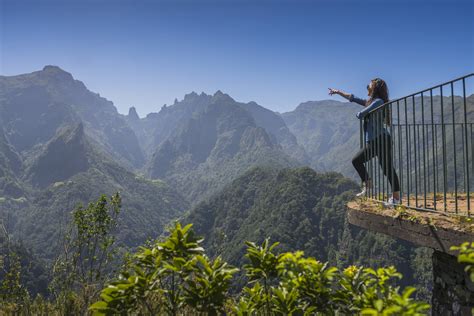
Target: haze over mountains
{"x": 55, "y": 133}
{"x": 233, "y": 168}
{"x": 50, "y": 124}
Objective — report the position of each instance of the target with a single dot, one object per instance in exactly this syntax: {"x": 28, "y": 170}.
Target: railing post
{"x": 466, "y": 183}
{"x": 424, "y": 148}
{"x": 443, "y": 138}
{"x": 400, "y": 148}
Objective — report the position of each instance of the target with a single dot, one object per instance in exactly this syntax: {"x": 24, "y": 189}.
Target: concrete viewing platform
{"x": 437, "y": 230}
{"x": 453, "y": 292}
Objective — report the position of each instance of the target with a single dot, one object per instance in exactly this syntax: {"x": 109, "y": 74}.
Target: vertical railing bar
{"x": 368, "y": 157}
{"x": 437, "y": 158}
{"x": 415, "y": 150}
{"x": 376, "y": 169}
{"x": 382, "y": 156}
{"x": 372, "y": 159}
{"x": 431, "y": 158}
{"x": 418, "y": 161}
{"x": 435, "y": 174}
{"x": 424, "y": 148}
{"x": 392, "y": 149}
{"x": 407, "y": 160}
{"x": 384, "y": 151}
{"x": 454, "y": 153}
{"x": 370, "y": 151}
{"x": 463, "y": 158}
{"x": 472, "y": 147}
{"x": 400, "y": 163}
{"x": 466, "y": 184}
{"x": 369, "y": 160}
{"x": 416, "y": 132}
{"x": 409, "y": 153}
{"x": 384, "y": 142}
{"x": 379, "y": 155}
{"x": 385, "y": 132}
{"x": 443, "y": 138}
{"x": 377, "y": 132}
{"x": 360, "y": 147}
{"x": 426, "y": 130}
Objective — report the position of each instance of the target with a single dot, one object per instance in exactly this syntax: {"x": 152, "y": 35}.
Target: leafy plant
{"x": 11, "y": 288}
{"x": 206, "y": 286}
{"x": 262, "y": 267}
{"x": 12, "y": 292}
{"x": 466, "y": 255}
{"x": 175, "y": 277}
{"x": 80, "y": 270}
{"x": 169, "y": 277}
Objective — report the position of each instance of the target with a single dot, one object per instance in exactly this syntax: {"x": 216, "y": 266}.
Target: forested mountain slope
{"x": 70, "y": 170}
{"x": 302, "y": 209}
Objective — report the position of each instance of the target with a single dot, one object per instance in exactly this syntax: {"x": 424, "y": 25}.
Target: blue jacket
{"x": 370, "y": 123}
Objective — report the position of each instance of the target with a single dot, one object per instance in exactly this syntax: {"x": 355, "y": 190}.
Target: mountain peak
{"x": 220, "y": 96}
{"x": 194, "y": 97}
{"x": 252, "y": 103}
{"x": 52, "y": 68}
{"x": 57, "y": 72}
{"x": 191, "y": 95}
{"x": 132, "y": 114}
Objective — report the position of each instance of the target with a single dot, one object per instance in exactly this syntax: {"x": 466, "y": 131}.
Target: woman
{"x": 378, "y": 141}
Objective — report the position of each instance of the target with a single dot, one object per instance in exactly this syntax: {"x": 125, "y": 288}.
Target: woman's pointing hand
{"x": 333, "y": 91}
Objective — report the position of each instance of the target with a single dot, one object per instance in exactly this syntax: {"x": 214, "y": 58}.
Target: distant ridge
{"x": 35, "y": 105}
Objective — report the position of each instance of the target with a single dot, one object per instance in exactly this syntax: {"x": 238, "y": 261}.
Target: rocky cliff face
{"x": 61, "y": 158}
{"x": 10, "y": 169}
{"x": 71, "y": 169}
{"x": 156, "y": 128}
{"x": 33, "y": 106}
{"x": 220, "y": 141}
{"x": 276, "y": 127}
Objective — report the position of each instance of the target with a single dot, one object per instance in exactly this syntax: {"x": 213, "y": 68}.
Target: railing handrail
{"x": 419, "y": 92}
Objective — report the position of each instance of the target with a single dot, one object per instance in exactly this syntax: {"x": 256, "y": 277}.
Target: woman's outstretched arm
{"x": 348, "y": 96}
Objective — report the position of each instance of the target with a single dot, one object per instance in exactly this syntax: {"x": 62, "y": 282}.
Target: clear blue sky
{"x": 277, "y": 53}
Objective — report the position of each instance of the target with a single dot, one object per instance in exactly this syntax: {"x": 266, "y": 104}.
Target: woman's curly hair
{"x": 380, "y": 91}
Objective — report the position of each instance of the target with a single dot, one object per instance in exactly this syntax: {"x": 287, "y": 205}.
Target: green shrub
{"x": 175, "y": 277}
{"x": 81, "y": 269}
{"x": 466, "y": 255}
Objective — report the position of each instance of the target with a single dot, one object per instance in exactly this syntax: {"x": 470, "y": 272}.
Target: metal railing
{"x": 428, "y": 137}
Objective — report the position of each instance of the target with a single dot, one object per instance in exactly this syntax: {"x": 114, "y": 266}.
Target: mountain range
{"x": 239, "y": 171}
{"x": 61, "y": 145}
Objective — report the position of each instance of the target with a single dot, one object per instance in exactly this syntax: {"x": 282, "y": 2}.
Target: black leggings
{"x": 382, "y": 148}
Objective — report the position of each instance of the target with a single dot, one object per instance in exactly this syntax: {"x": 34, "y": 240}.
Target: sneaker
{"x": 362, "y": 193}
{"x": 392, "y": 202}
